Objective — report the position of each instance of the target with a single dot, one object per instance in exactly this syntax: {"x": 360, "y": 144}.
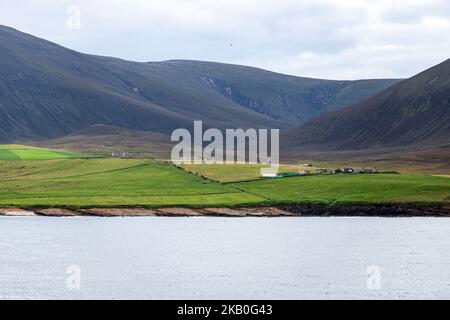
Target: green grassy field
{"x": 21, "y": 152}
{"x": 233, "y": 173}
{"x": 77, "y": 183}
{"x": 110, "y": 183}
{"x": 353, "y": 189}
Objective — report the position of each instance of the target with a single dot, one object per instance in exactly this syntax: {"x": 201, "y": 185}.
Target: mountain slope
{"x": 48, "y": 91}
{"x": 412, "y": 112}
{"x": 277, "y": 96}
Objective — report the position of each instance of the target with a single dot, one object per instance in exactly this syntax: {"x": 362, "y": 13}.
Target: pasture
{"x": 21, "y": 152}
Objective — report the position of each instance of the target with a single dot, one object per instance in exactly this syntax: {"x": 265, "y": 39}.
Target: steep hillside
{"x": 415, "y": 111}
{"x": 48, "y": 91}
{"x": 277, "y": 96}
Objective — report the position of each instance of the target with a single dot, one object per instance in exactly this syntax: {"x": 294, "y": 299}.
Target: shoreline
{"x": 287, "y": 210}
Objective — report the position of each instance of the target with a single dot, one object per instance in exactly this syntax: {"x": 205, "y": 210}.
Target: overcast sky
{"x": 334, "y": 39}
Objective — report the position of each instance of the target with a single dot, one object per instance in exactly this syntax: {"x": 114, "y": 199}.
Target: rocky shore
{"x": 394, "y": 210}
{"x": 278, "y": 211}
{"x": 142, "y": 212}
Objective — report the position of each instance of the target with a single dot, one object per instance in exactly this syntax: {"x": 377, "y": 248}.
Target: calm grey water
{"x": 225, "y": 258}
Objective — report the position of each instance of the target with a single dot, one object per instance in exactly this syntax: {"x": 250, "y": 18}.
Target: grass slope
{"x": 353, "y": 189}
{"x": 110, "y": 183}
{"x": 233, "y": 173}
{"x": 21, "y": 152}
{"x": 76, "y": 183}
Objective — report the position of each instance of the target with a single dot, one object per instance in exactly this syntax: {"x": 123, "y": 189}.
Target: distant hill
{"x": 415, "y": 111}
{"x": 48, "y": 91}
{"x": 103, "y": 139}
{"x": 276, "y": 96}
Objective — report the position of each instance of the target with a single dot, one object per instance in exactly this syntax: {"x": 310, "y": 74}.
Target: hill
{"x": 105, "y": 140}
{"x": 277, "y": 96}
{"x": 48, "y": 91}
{"x": 20, "y": 152}
{"x": 413, "y": 112}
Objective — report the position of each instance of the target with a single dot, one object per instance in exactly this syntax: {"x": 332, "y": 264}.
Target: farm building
{"x": 344, "y": 170}
{"x": 119, "y": 155}
{"x": 365, "y": 170}
{"x": 269, "y": 175}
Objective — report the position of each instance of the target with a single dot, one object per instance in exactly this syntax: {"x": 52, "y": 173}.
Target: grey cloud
{"x": 322, "y": 38}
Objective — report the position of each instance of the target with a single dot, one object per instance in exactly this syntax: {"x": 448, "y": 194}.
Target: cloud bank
{"x": 332, "y": 39}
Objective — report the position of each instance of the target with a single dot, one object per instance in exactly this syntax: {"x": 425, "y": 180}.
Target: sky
{"x": 331, "y": 39}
